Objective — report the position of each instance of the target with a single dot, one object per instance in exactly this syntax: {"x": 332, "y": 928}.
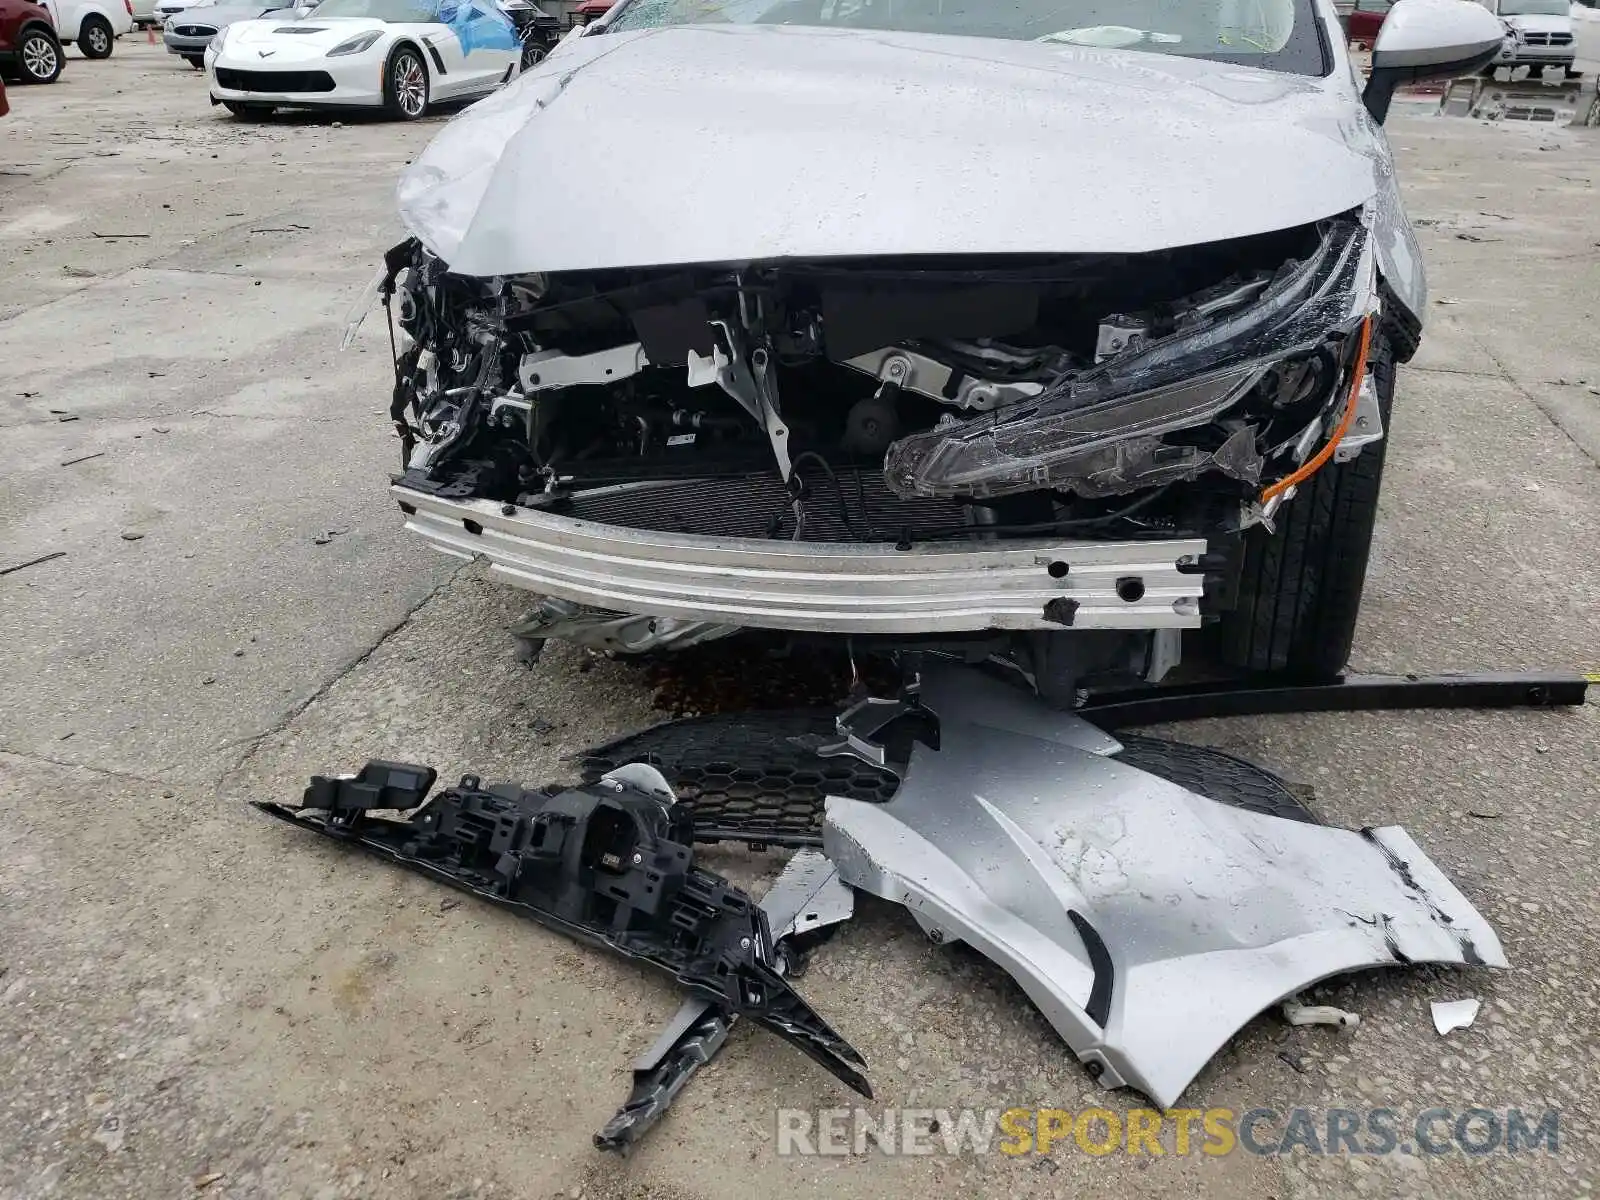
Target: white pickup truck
{"x": 94, "y": 25}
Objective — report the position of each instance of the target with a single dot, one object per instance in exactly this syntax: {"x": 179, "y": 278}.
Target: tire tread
{"x": 1300, "y": 588}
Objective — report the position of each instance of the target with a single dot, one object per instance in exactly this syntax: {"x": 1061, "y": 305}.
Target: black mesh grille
{"x": 749, "y": 776}
{"x": 195, "y": 30}
{"x": 757, "y": 506}
{"x": 282, "y": 82}
{"x": 1217, "y": 775}
{"x": 756, "y": 777}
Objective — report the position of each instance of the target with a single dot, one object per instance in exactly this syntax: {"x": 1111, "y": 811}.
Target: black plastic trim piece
{"x": 1384, "y": 80}
{"x": 1098, "y": 1009}
{"x": 655, "y": 1089}
{"x": 1353, "y": 693}
{"x": 609, "y": 864}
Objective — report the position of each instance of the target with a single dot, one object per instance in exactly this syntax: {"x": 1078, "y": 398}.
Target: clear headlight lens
{"x": 357, "y": 44}
{"x": 1024, "y": 455}
{"x": 1175, "y": 383}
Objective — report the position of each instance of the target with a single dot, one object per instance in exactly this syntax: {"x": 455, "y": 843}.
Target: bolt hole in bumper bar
{"x": 823, "y": 586}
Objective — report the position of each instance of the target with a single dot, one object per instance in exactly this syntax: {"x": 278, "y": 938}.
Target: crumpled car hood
{"x": 743, "y": 143}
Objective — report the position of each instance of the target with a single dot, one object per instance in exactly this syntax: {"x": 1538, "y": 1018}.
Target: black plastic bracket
{"x": 609, "y": 863}
{"x": 379, "y": 784}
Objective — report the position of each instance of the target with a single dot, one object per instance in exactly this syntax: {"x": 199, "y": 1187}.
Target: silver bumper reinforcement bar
{"x": 823, "y": 586}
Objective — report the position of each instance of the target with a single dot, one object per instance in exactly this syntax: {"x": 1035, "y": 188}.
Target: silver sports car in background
{"x": 1059, "y": 331}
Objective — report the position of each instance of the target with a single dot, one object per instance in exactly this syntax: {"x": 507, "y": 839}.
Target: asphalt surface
{"x": 195, "y": 1001}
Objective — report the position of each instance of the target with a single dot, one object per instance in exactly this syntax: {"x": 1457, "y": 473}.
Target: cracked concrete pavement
{"x": 193, "y": 1000}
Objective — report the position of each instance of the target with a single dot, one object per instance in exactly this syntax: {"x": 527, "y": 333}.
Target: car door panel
{"x": 487, "y": 40}
{"x": 446, "y": 62}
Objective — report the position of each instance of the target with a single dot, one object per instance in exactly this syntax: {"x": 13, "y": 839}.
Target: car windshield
{"x": 1281, "y": 35}
{"x": 1534, "y": 8}
{"x": 380, "y": 10}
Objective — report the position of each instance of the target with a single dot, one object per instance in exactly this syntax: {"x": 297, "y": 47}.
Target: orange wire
{"x": 1309, "y": 469}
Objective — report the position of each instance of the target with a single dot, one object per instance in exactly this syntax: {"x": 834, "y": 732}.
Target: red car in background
{"x": 589, "y": 10}
{"x": 1365, "y": 20}
{"x": 30, "y": 51}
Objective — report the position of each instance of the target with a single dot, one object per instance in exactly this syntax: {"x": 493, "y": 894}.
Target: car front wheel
{"x": 95, "y": 38}
{"x": 39, "y": 55}
{"x": 405, "y": 85}
{"x": 1300, "y": 587}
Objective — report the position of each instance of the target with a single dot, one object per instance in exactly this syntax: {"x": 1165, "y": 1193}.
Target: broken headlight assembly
{"x": 1100, "y": 431}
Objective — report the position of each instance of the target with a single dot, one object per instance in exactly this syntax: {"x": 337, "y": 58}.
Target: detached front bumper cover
{"x": 1146, "y": 922}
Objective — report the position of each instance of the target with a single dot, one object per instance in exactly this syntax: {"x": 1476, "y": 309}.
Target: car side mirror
{"x": 1429, "y": 39}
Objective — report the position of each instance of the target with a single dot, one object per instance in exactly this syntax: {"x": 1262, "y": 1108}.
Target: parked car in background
{"x": 1542, "y": 36}
{"x": 189, "y": 32}
{"x": 396, "y": 55}
{"x": 92, "y": 25}
{"x": 165, "y": 10}
{"x": 1365, "y": 19}
{"x": 536, "y": 29}
{"x": 591, "y": 10}
{"x": 29, "y": 49}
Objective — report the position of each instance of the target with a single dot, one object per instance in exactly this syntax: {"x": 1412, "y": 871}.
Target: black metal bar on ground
{"x": 1353, "y": 693}
{"x": 34, "y": 562}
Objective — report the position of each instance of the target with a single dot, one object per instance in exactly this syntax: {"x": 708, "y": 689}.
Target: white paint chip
{"x": 1454, "y": 1014}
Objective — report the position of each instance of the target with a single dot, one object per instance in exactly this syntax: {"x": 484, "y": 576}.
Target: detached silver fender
{"x": 1147, "y": 923}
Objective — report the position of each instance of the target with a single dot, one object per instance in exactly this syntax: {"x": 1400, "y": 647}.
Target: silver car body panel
{"x": 839, "y": 138}
{"x": 1394, "y": 240}
{"x": 821, "y": 586}
{"x": 1147, "y": 923}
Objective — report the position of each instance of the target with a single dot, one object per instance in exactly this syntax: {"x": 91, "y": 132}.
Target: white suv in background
{"x": 94, "y": 25}
{"x": 1541, "y": 36}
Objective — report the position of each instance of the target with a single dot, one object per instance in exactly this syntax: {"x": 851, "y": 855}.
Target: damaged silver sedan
{"x": 1059, "y": 332}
